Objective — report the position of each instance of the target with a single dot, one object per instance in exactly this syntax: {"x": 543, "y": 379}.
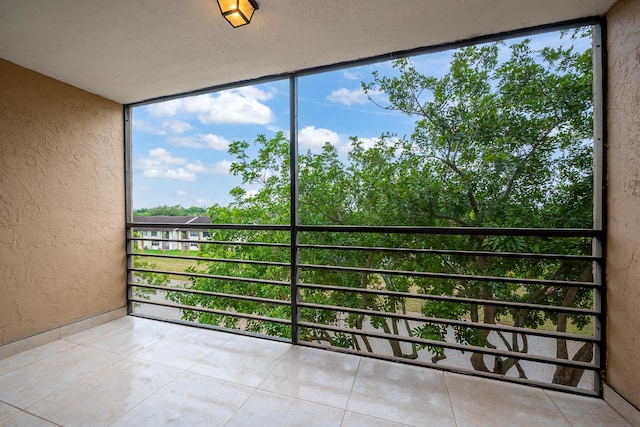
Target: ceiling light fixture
{"x": 238, "y": 12}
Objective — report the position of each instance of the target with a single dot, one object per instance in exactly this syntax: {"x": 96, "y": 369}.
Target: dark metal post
{"x": 128, "y": 203}
{"x": 294, "y": 216}
{"x": 599, "y": 199}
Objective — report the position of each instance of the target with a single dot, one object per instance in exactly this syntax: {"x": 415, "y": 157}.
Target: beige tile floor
{"x": 138, "y": 372}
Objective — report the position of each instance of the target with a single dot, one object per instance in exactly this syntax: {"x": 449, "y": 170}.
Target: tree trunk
{"x": 567, "y": 375}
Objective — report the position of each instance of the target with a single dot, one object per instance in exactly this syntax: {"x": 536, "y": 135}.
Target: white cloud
{"x": 182, "y": 193}
{"x": 221, "y": 167}
{"x": 348, "y": 97}
{"x": 235, "y": 106}
{"x": 163, "y": 156}
{"x": 204, "y": 202}
{"x": 350, "y": 75}
{"x": 147, "y": 127}
{"x": 207, "y": 140}
{"x": 311, "y": 137}
{"x": 214, "y": 141}
{"x": 185, "y": 141}
{"x": 177, "y": 126}
{"x": 165, "y": 108}
{"x": 253, "y": 92}
{"x": 162, "y": 164}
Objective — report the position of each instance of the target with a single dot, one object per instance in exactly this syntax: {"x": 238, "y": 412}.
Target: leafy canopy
{"x": 503, "y": 139}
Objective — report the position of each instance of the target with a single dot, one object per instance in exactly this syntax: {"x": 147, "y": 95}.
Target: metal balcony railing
{"x": 516, "y": 313}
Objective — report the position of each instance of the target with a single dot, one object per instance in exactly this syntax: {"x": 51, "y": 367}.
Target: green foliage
{"x": 148, "y": 278}
{"x": 504, "y": 139}
{"x": 176, "y": 210}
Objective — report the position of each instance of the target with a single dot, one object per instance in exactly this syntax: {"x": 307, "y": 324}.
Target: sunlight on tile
{"x": 353, "y": 419}
{"x": 23, "y": 419}
{"x": 139, "y": 372}
{"x": 243, "y": 360}
{"x": 30, "y": 356}
{"x": 500, "y": 403}
{"x": 315, "y": 375}
{"x": 25, "y": 386}
{"x": 581, "y": 411}
{"x": 7, "y": 410}
{"x": 108, "y": 394}
{"x": 190, "y": 400}
{"x": 401, "y": 393}
{"x": 268, "y": 409}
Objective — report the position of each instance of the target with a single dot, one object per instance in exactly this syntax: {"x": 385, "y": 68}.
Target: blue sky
{"x": 180, "y": 146}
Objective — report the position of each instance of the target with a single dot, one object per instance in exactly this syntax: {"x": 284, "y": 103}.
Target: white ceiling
{"x": 134, "y": 50}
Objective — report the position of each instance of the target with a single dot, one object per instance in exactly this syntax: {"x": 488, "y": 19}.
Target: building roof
{"x": 175, "y": 221}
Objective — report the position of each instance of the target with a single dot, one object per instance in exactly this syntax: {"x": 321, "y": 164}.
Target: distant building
{"x": 157, "y": 237}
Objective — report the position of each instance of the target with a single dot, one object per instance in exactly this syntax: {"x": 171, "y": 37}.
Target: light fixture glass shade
{"x": 237, "y": 12}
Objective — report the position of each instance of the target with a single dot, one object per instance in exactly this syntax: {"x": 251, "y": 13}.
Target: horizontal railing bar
{"x": 434, "y": 275}
{"x": 508, "y": 304}
{"x": 455, "y": 346}
{"x": 221, "y": 260}
{"x": 210, "y": 242}
{"x": 237, "y": 243}
{"x": 463, "y": 231}
{"x": 213, "y": 276}
{"x": 532, "y": 255}
{"x": 459, "y": 300}
{"x": 453, "y": 322}
{"x": 213, "y": 311}
{"x": 210, "y": 293}
{"x": 248, "y": 227}
{"x": 456, "y": 252}
{"x": 454, "y": 369}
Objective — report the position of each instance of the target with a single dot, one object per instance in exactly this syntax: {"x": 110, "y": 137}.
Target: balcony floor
{"x": 139, "y": 372}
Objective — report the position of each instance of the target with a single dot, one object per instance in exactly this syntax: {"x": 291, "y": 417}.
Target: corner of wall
{"x": 622, "y": 371}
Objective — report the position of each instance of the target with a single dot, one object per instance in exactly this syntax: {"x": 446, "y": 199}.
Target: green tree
{"x": 510, "y": 146}
{"x": 496, "y": 143}
{"x": 176, "y": 210}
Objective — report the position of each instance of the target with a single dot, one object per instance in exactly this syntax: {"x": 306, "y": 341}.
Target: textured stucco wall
{"x": 623, "y": 178}
{"x": 61, "y": 204}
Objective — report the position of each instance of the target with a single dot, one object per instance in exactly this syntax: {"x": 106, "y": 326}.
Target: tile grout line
{"x": 446, "y": 386}
{"x": 71, "y": 384}
{"x": 13, "y": 406}
{"x": 41, "y": 359}
{"x": 39, "y": 417}
{"x": 256, "y": 387}
{"x": 275, "y": 366}
{"x": 558, "y": 408}
{"x": 147, "y": 398}
{"x": 351, "y": 390}
{"x": 241, "y": 406}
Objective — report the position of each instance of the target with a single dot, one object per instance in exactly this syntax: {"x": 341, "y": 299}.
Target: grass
{"x": 167, "y": 252}
{"x": 415, "y": 305}
{"x": 169, "y": 264}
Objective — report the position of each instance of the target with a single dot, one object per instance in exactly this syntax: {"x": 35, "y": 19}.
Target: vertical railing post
{"x": 294, "y": 220}
{"x": 128, "y": 203}
{"x": 599, "y": 197}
